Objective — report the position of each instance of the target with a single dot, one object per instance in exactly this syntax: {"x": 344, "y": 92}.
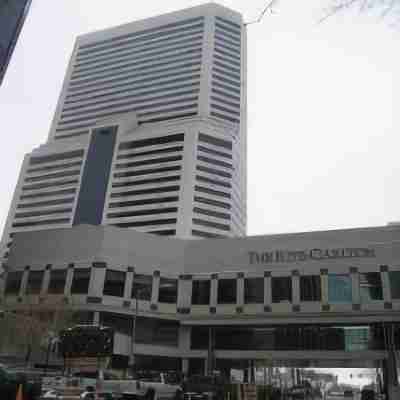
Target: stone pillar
{"x": 214, "y": 290}
{"x": 97, "y": 278}
{"x": 24, "y": 282}
{"x": 185, "y": 366}
{"x": 128, "y": 283}
{"x": 267, "y": 291}
{"x": 355, "y": 286}
{"x": 46, "y": 280}
{"x": 324, "y": 287}
{"x": 68, "y": 280}
{"x": 295, "y": 287}
{"x": 240, "y": 290}
{"x": 156, "y": 287}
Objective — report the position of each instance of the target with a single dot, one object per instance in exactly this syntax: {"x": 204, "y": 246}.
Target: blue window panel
{"x": 339, "y": 289}
{"x": 96, "y": 173}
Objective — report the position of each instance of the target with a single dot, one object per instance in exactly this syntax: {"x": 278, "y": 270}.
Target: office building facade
{"x": 149, "y": 132}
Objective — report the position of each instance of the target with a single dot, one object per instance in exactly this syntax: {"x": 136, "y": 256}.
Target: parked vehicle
{"x": 368, "y": 394}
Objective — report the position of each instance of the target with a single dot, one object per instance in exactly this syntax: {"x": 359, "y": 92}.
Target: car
{"x": 368, "y": 394}
{"x": 348, "y": 394}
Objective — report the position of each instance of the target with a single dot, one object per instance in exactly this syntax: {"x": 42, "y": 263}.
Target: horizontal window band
{"x": 42, "y": 213}
{"x": 211, "y": 213}
{"x": 213, "y": 192}
{"x": 224, "y": 39}
{"x": 144, "y": 202}
{"x": 225, "y": 80}
{"x": 225, "y": 110}
{"x": 145, "y": 64}
{"x": 219, "y": 57}
{"x": 34, "y": 160}
{"x": 146, "y": 181}
{"x": 70, "y": 128}
{"x": 212, "y": 202}
{"x": 223, "y": 33}
{"x": 168, "y": 221}
{"x": 167, "y": 232}
{"x": 214, "y": 161}
{"x": 223, "y": 45}
{"x": 227, "y": 21}
{"x": 169, "y": 110}
{"x": 226, "y": 73}
{"x": 187, "y": 65}
{"x": 116, "y": 63}
{"x": 215, "y": 141}
{"x": 170, "y": 96}
{"x": 227, "y": 88}
{"x": 227, "y": 67}
{"x": 48, "y": 194}
{"x": 47, "y": 203}
{"x": 70, "y": 135}
{"x": 162, "y": 189}
{"x": 213, "y": 171}
{"x": 224, "y": 101}
{"x": 225, "y": 55}
{"x": 214, "y": 152}
{"x": 173, "y": 149}
{"x": 235, "y": 32}
{"x": 49, "y": 184}
{"x": 143, "y": 212}
{"x": 179, "y": 137}
{"x": 149, "y": 162}
{"x": 219, "y": 115}
{"x": 209, "y": 224}
{"x": 61, "y": 174}
{"x": 55, "y": 167}
{"x": 139, "y": 36}
{"x": 124, "y": 51}
{"x": 213, "y": 181}
{"x": 169, "y": 117}
{"x": 148, "y": 171}
{"x": 128, "y": 93}
{"x": 43, "y": 222}
{"x": 209, "y": 235}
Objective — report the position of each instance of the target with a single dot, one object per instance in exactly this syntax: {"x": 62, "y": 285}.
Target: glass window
{"x": 201, "y": 292}
{"x": 395, "y": 284}
{"x": 13, "y": 284}
{"x": 281, "y": 289}
{"x": 199, "y": 337}
{"x": 157, "y": 331}
{"x": 227, "y": 291}
{"x": 80, "y": 281}
{"x": 168, "y": 291}
{"x": 254, "y": 290}
{"x": 310, "y": 288}
{"x": 57, "y": 281}
{"x": 114, "y": 283}
{"x": 119, "y": 322}
{"x": 142, "y": 287}
{"x": 339, "y": 288}
{"x": 357, "y": 339}
{"x": 34, "y": 284}
{"x": 370, "y": 287}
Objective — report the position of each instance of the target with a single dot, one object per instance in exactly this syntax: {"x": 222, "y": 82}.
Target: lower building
{"x": 328, "y": 298}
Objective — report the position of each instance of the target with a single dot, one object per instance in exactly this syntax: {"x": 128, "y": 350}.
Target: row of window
{"x": 339, "y": 287}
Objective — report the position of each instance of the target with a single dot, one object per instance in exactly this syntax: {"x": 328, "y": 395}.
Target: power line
{"x": 269, "y": 6}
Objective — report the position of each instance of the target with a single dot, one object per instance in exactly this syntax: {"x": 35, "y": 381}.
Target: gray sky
{"x": 323, "y": 129}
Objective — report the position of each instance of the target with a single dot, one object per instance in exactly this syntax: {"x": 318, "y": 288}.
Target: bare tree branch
{"x": 269, "y": 6}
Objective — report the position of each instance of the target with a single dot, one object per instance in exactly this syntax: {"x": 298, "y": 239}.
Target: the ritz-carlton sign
{"x": 285, "y": 256}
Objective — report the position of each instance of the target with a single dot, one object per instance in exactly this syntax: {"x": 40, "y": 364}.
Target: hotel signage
{"x": 287, "y": 256}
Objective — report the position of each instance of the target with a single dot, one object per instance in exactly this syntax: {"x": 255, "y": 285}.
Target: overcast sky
{"x": 323, "y": 106}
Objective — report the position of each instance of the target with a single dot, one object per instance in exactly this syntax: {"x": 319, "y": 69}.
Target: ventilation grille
{"x": 226, "y": 71}
{"x": 213, "y": 187}
{"x": 154, "y": 72}
{"x": 48, "y": 192}
{"x": 146, "y": 183}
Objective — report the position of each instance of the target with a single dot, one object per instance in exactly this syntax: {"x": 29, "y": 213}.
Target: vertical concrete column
{"x": 184, "y": 339}
{"x": 97, "y": 277}
{"x": 267, "y": 291}
{"x": 214, "y": 291}
{"x": 240, "y": 290}
{"x": 324, "y": 287}
{"x": 184, "y": 293}
{"x": 355, "y": 287}
{"x": 24, "y": 282}
{"x": 128, "y": 283}
{"x": 156, "y": 287}
{"x": 295, "y": 287}
{"x": 96, "y": 318}
{"x": 385, "y": 278}
{"x": 68, "y": 280}
{"x": 3, "y": 278}
{"x": 46, "y": 280}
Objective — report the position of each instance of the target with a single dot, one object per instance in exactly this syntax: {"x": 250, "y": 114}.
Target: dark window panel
{"x": 13, "y": 283}
{"x": 254, "y": 290}
{"x": 114, "y": 283}
{"x": 395, "y": 284}
{"x": 227, "y": 291}
{"x": 281, "y": 289}
{"x": 168, "y": 291}
{"x": 58, "y": 278}
{"x": 80, "y": 281}
{"x": 34, "y": 284}
{"x": 201, "y": 292}
{"x": 310, "y": 288}
{"x": 142, "y": 287}
{"x": 370, "y": 287}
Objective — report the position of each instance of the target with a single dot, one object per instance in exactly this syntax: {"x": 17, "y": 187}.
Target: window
{"x": 114, "y": 283}
{"x": 395, "y": 284}
{"x": 142, "y": 287}
{"x": 254, "y": 290}
{"x": 339, "y": 288}
{"x": 370, "y": 287}
{"x": 201, "y": 292}
{"x": 199, "y": 337}
{"x": 57, "y": 281}
{"x": 281, "y": 289}
{"x": 227, "y": 291}
{"x": 119, "y": 322}
{"x": 168, "y": 291}
{"x": 310, "y": 288}
{"x": 80, "y": 281}
{"x": 13, "y": 284}
{"x": 35, "y": 279}
{"x": 157, "y": 332}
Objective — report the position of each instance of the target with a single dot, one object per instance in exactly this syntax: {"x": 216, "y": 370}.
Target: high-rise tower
{"x": 149, "y": 132}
